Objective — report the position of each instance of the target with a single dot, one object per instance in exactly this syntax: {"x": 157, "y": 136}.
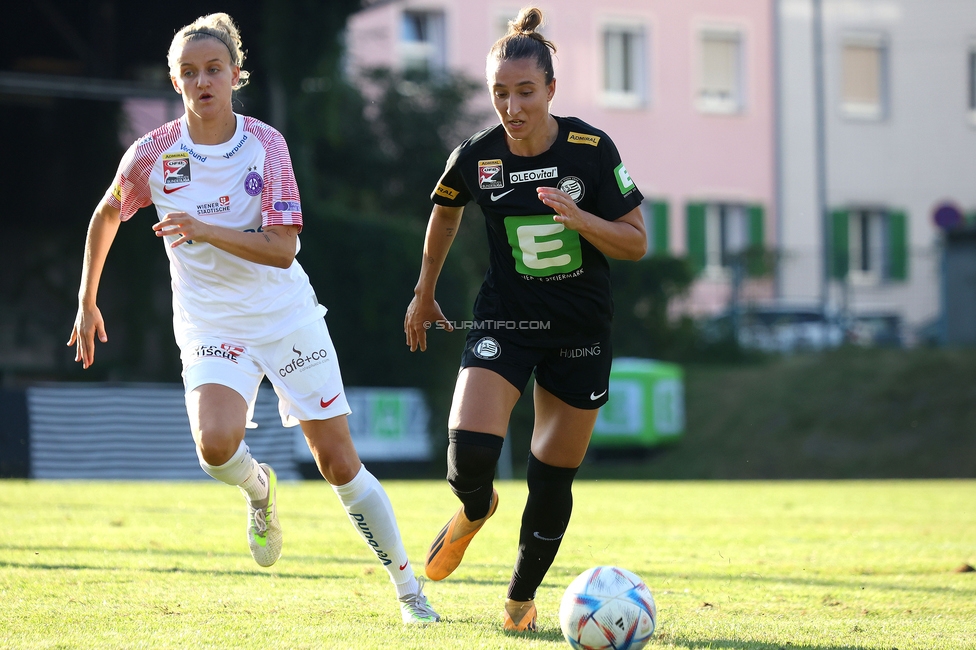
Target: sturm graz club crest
{"x": 572, "y": 186}
{"x": 487, "y": 348}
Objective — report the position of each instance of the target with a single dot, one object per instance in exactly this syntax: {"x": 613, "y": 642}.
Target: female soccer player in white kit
{"x": 243, "y": 308}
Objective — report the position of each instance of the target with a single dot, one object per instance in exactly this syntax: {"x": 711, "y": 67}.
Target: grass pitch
{"x": 750, "y": 565}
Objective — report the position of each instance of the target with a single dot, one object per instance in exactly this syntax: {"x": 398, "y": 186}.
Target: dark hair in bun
{"x": 523, "y": 42}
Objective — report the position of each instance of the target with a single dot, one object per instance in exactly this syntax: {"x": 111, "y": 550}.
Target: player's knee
{"x": 471, "y": 458}
{"x": 216, "y": 445}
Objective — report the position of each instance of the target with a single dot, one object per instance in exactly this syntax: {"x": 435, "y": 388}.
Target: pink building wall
{"x": 674, "y": 151}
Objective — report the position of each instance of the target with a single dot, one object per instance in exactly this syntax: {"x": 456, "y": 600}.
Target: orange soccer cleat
{"x": 447, "y": 549}
{"x": 520, "y": 616}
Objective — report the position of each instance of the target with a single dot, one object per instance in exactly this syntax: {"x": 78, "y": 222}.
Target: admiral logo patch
{"x": 583, "y": 138}
{"x": 445, "y": 191}
{"x": 491, "y": 176}
{"x": 117, "y": 192}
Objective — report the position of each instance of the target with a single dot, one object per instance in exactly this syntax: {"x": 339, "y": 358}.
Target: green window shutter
{"x": 756, "y": 262}
{"x": 840, "y": 251}
{"x": 696, "y": 235}
{"x": 897, "y": 246}
{"x": 757, "y": 226}
{"x": 659, "y": 223}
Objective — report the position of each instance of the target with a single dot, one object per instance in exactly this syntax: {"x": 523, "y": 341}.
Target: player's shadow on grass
{"x": 161, "y": 553}
{"x": 868, "y": 581}
{"x": 717, "y": 644}
{"x": 257, "y": 571}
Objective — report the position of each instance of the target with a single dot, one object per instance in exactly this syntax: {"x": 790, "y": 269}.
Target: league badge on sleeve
{"x": 490, "y": 174}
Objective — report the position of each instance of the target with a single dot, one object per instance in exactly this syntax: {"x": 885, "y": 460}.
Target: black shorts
{"x": 578, "y": 375}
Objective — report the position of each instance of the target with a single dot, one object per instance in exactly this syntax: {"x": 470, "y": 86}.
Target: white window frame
{"x": 861, "y": 110}
{"x": 868, "y": 260}
{"x": 735, "y": 102}
{"x": 433, "y": 51}
{"x": 636, "y": 96}
{"x": 726, "y": 233}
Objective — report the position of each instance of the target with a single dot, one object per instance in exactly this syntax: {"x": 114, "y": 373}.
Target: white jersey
{"x": 247, "y": 184}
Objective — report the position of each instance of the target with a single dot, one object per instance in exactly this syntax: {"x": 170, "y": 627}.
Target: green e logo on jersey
{"x": 543, "y": 247}
{"x": 624, "y": 182}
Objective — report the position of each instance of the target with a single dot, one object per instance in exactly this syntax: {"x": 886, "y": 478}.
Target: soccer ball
{"x": 605, "y": 608}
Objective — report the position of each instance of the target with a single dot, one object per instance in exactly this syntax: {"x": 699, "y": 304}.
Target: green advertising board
{"x": 646, "y": 407}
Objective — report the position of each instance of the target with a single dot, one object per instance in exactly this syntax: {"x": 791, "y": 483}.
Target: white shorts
{"x": 302, "y": 367}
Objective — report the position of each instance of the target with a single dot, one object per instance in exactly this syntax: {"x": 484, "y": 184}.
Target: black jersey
{"x": 545, "y": 282}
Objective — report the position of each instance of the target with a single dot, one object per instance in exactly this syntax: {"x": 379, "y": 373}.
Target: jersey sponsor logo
{"x": 495, "y": 197}
{"x": 624, "y": 182}
{"x": 579, "y": 353}
{"x": 544, "y": 174}
{"x": 146, "y": 139}
{"x": 583, "y": 138}
{"x": 176, "y": 171}
{"x": 237, "y": 147}
{"x": 445, "y": 191}
{"x": 572, "y": 186}
{"x": 117, "y": 192}
{"x": 491, "y": 174}
{"x": 220, "y": 206}
{"x": 301, "y": 362}
{"x": 223, "y": 351}
{"x": 253, "y": 183}
{"x": 236, "y": 350}
{"x": 487, "y": 348}
{"x": 287, "y": 206}
{"x": 193, "y": 153}
{"x": 543, "y": 247}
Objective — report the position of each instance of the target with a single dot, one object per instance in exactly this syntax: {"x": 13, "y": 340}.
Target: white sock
{"x": 241, "y": 470}
{"x": 370, "y": 512}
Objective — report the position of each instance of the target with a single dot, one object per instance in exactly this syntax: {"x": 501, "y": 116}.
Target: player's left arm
{"x": 274, "y": 246}
{"x": 623, "y": 239}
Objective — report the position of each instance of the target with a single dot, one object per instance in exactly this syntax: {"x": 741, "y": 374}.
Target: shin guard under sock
{"x": 544, "y": 520}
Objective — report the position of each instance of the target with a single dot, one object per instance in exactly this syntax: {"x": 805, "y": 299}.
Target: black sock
{"x": 471, "y": 460}
{"x": 544, "y": 521}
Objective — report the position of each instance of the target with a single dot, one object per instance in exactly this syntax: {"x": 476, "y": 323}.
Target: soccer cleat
{"x": 448, "y": 547}
{"x": 520, "y": 616}
{"x": 415, "y": 608}
{"x": 263, "y": 530}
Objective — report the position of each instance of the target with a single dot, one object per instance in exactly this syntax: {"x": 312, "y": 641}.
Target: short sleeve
{"x": 130, "y": 190}
{"x": 618, "y": 192}
{"x": 451, "y": 190}
{"x": 281, "y": 204}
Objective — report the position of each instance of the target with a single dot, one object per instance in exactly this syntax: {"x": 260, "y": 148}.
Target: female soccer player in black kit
{"x": 557, "y": 201}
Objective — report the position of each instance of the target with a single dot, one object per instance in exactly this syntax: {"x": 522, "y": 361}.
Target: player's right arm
{"x": 102, "y": 228}
{"x": 423, "y": 310}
